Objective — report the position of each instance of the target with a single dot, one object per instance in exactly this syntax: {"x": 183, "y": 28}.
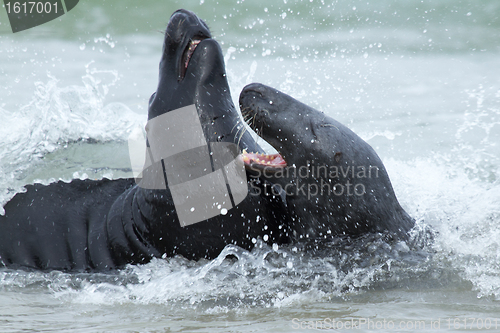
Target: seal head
{"x": 335, "y": 183}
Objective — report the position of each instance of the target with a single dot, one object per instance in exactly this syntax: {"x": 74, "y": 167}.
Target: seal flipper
{"x": 126, "y": 231}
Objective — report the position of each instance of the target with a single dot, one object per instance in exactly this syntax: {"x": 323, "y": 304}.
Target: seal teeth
{"x": 193, "y": 43}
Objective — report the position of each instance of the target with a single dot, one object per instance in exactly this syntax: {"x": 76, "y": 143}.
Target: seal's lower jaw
{"x": 260, "y": 162}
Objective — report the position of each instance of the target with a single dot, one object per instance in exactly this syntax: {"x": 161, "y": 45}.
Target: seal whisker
{"x": 237, "y": 123}
{"x": 267, "y": 112}
{"x": 248, "y": 117}
{"x": 244, "y": 129}
{"x": 241, "y": 131}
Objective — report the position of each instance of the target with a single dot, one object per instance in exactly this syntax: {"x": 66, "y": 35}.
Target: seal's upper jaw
{"x": 184, "y": 32}
{"x": 288, "y": 125}
{"x": 251, "y": 99}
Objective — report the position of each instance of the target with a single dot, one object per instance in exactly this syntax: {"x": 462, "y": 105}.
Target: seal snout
{"x": 259, "y": 94}
{"x": 254, "y": 106}
{"x": 184, "y": 32}
{"x": 257, "y": 105}
{"x": 252, "y": 97}
{"x": 182, "y": 19}
{"x": 253, "y": 90}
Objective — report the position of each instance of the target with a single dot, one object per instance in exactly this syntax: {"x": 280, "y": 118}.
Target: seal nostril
{"x": 253, "y": 94}
{"x": 182, "y": 12}
{"x": 254, "y": 90}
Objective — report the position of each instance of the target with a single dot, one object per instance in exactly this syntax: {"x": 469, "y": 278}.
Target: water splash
{"x": 479, "y": 134}
{"x": 55, "y": 117}
{"x": 238, "y": 279}
{"x": 457, "y": 194}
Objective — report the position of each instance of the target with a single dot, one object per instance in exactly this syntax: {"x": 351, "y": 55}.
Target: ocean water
{"x": 418, "y": 80}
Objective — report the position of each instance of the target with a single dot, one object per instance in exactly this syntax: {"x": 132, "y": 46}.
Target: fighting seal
{"x": 335, "y": 182}
{"x": 88, "y": 225}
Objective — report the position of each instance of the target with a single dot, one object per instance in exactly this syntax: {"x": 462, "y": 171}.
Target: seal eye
{"x": 188, "y": 52}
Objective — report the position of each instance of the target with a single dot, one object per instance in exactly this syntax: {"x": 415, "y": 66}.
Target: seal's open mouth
{"x": 249, "y": 97}
{"x": 188, "y": 52}
{"x": 270, "y": 163}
